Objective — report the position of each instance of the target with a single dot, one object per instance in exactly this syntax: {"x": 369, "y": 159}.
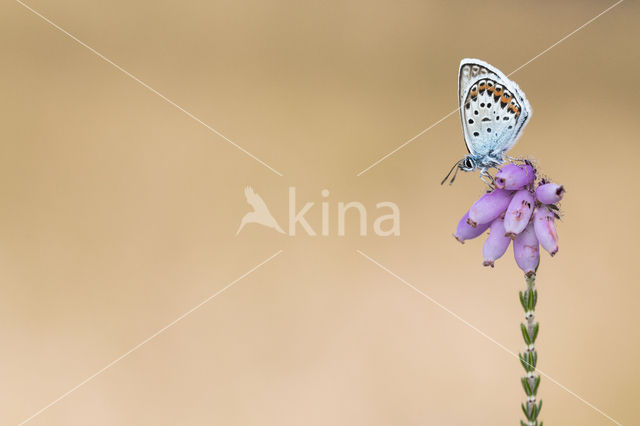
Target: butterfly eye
{"x": 468, "y": 163}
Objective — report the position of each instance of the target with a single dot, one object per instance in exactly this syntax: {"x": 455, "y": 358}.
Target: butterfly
{"x": 493, "y": 111}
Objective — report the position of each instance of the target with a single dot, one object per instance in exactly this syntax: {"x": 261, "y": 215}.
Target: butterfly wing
{"x": 493, "y": 109}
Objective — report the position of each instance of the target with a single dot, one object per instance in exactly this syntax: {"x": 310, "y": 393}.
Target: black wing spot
{"x": 476, "y": 134}
{"x": 510, "y": 127}
{"x": 471, "y": 121}
{"x": 482, "y": 105}
{"x": 503, "y": 104}
{"x": 467, "y": 105}
{"x": 475, "y": 112}
{"x": 506, "y": 118}
{"x": 496, "y": 98}
{"x": 488, "y": 129}
{"x": 486, "y": 119}
{"x": 489, "y": 105}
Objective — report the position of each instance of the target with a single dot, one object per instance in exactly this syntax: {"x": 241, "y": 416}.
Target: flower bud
{"x": 518, "y": 213}
{"x": 467, "y": 232}
{"x": 544, "y": 225}
{"x": 526, "y": 250}
{"x": 550, "y": 193}
{"x": 488, "y": 207}
{"x": 496, "y": 244}
{"x": 512, "y": 176}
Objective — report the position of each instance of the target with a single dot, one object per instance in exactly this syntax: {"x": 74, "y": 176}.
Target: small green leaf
{"x": 525, "y": 385}
{"x": 524, "y": 362}
{"x": 531, "y": 305}
{"x": 525, "y": 334}
{"x": 538, "y": 410}
{"x": 536, "y": 328}
{"x": 533, "y": 413}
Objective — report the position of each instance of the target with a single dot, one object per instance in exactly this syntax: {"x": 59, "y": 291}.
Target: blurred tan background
{"x": 118, "y": 213}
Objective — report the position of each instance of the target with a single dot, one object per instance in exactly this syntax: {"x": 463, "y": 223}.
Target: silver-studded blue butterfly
{"x": 493, "y": 110}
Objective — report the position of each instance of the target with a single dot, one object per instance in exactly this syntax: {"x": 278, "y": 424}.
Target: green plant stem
{"x": 529, "y": 358}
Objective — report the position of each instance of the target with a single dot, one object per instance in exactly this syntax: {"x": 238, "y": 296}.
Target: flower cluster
{"x": 515, "y": 210}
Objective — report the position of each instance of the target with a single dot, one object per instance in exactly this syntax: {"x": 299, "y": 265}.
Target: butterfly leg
{"x": 516, "y": 160}
{"x": 486, "y": 177}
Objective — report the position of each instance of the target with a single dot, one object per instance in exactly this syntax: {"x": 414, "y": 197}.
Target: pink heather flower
{"x": 526, "y": 250}
{"x": 467, "y": 232}
{"x": 518, "y": 213}
{"x": 488, "y": 207}
{"x": 545, "y": 228}
{"x": 550, "y": 193}
{"x": 512, "y": 176}
{"x": 496, "y": 244}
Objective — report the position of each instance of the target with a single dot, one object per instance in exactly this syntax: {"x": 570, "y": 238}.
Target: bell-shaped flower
{"x": 513, "y": 176}
{"x": 518, "y": 213}
{"x": 488, "y": 207}
{"x": 464, "y": 231}
{"x": 496, "y": 244}
{"x": 550, "y": 193}
{"x": 526, "y": 250}
{"x": 544, "y": 225}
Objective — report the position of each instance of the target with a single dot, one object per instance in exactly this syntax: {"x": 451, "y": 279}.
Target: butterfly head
{"x": 467, "y": 164}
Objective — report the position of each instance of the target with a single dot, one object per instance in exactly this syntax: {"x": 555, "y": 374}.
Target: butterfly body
{"x": 493, "y": 113}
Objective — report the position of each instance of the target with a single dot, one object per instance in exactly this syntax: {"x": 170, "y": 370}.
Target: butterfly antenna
{"x": 454, "y": 176}
{"x": 456, "y": 164}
